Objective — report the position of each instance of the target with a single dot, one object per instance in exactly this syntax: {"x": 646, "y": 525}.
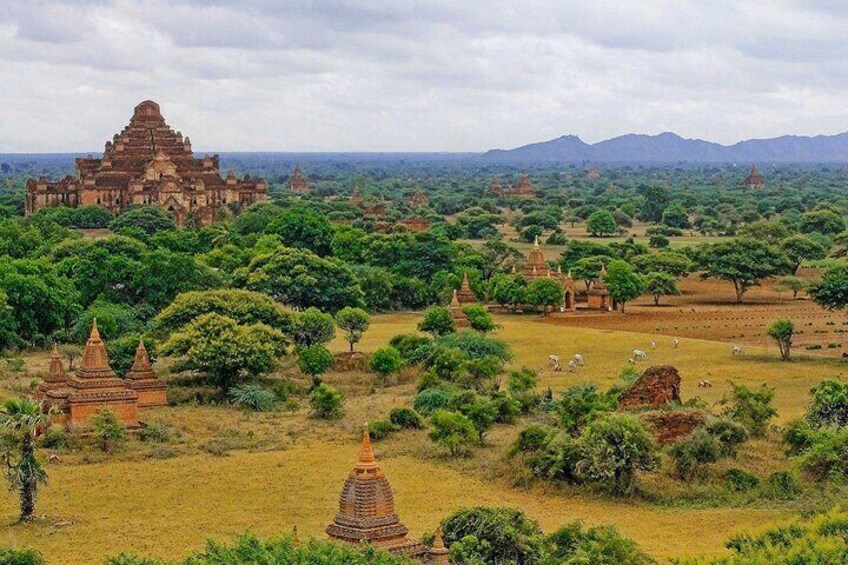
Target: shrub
{"x": 428, "y": 401}
{"x": 479, "y": 318}
{"x": 385, "y": 361}
{"x": 781, "y": 485}
{"x": 751, "y": 408}
{"x": 506, "y": 408}
{"x": 156, "y": 432}
{"x": 602, "y": 545}
{"x": 54, "y": 437}
{"x": 381, "y": 429}
{"x": 521, "y": 385}
{"x": 406, "y": 418}
{"x": 799, "y": 436}
{"x": 452, "y": 430}
{"x": 107, "y": 429}
{"x": 412, "y": 347}
{"x": 531, "y": 439}
{"x": 827, "y": 455}
{"x": 559, "y": 460}
{"x": 829, "y": 405}
{"x": 503, "y": 535}
{"x": 739, "y": 480}
{"x": 21, "y": 557}
{"x": 437, "y": 322}
{"x": 312, "y": 327}
{"x": 613, "y": 449}
{"x": 580, "y": 404}
{"x": 729, "y": 434}
{"x": 253, "y": 397}
{"x": 693, "y": 452}
{"x": 326, "y": 402}
{"x": 781, "y": 331}
{"x": 476, "y": 345}
{"x": 315, "y": 360}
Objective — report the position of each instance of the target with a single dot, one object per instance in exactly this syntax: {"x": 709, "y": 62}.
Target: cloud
{"x": 439, "y": 75}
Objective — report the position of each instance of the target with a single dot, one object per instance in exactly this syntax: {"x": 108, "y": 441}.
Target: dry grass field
{"x": 283, "y": 469}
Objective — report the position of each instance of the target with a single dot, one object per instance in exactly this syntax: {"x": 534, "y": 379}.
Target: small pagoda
{"x": 754, "y": 179}
{"x": 297, "y": 182}
{"x": 495, "y": 186}
{"x": 367, "y": 513}
{"x": 598, "y": 296}
{"x": 54, "y": 388}
{"x": 460, "y": 320}
{"x": 535, "y": 267}
{"x": 142, "y": 379}
{"x": 465, "y": 295}
{"x": 524, "y": 188}
{"x": 356, "y": 197}
{"x": 95, "y": 387}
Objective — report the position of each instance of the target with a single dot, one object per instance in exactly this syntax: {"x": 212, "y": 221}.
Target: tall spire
{"x": 366, "y": 454}
{"x": 94, "y": 356}
{"x": 536, "y": 243}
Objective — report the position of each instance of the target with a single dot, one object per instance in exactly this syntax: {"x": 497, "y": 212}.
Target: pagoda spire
{"x": 536, "y": 243}
{"x": 366, "y": 454}
{"x": 439, "y": 553}
{"x": 94, "y": 356}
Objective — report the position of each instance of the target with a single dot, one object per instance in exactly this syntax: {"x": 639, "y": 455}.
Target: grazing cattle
{"x": 705, "y": 384}
{"x": 554, "y": 359}
{"x": 653, "y": 345}
{"x": 579, "y": 359}
{"x": 639, "y": 354}
{"x": 736, "y": 350}
{"x": 572, "y": 367}
{"x": 675, "y": 342}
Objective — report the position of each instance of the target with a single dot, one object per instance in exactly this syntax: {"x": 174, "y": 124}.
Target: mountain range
{"x": 671, "y": 148}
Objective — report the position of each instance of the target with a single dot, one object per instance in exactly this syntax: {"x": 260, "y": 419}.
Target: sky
{"x": 399, "y": 75}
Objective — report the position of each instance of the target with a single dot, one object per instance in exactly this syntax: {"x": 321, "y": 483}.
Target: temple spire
{"x": 536, "y": 243}
{"x": 366, "y": 454}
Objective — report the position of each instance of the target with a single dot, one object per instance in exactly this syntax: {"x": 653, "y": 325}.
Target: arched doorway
{"x": 569, "y": 300}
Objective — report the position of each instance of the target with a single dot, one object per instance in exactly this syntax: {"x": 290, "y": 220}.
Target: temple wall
{"x": 151, "y": 398}
{"x": 125, "y": 410}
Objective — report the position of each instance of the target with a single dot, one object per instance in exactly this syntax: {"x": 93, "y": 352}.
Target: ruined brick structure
{"x": 415, "y": 224}
{"x": 465, "y": 295}
{"x": 460, "y": 320}
{"x": 142, "y": 379}
{"x": 754, "y": 179}
{"x": 598, "y": 297}
{"x": 659, "y": 385}
{"x": 148, "y": 163}
{"x": 523, "y": 189}
{"x": 297, "y": 182}
{"x": 367, "y": 513}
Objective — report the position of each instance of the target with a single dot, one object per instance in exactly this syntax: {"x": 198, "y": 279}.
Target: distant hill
{"x": 671, "y": 148}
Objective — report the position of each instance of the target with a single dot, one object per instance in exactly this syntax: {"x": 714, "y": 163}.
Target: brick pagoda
{"x": 524, "y": 188}
{"x": 465, "y": 294}
{"x": 54, "y": 388}
{"x": 754, "y": 179}
{"x": 598, "y": 296}
{"x": 148, "y": 163}
{"x": 460, "y": 320}
{"x": 95, "y": 387}
{"x": 297, "y": 182}
{"x": 536, "y": 268}
{"x": 367, "y": 513}
{"x": 142, "y": 379}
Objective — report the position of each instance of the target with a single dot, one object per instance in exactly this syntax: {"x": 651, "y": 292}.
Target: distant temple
{"x": 524, "y": 188}
{"x": 460, "y": 319}
{"x": 754, "y": 179}
{"x": 297, "y": 182}
{"x": 356, "y": 197}
{"x": 148, "y": 164}
{"x": 465, "y": 294}
{"x": 537, "y": 268}
{"x": 95, "y": 386}
{"x": 367, "y": 514}
{"x": 599, "y": 297}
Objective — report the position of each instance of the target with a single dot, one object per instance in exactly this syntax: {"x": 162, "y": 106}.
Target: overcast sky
{"x": 395, "y": 75}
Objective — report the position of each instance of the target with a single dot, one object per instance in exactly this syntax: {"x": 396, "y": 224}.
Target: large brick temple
{"x": 148, "y": 163}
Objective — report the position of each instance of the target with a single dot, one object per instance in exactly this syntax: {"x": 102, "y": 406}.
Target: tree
{"x": 385, "y": 361}
{"x": 315, "y": 360}
{"x": 107, "y": 429}
{"x": 790, "y": 283}
{"x": 545, "y": 293}
{"x": 300, "y": 278}
{"x": 91, "y": 216}
{"x": 303, "y": 228}
{"x": 498, "y": 535}
{"x": 751, "y": 408}
{"x": 326, "y": 402}
{"x": 832, "y": 291}
{"x": 822, "y": 221}
{"x": 601, "y": 545}
{"x": 589, "y": 268}
{"x": 613, "y": 449}
{"x": 312, "y": 327}
{"x": 437, "y": 322}
{"x": 149, "y": 219}
{"x": 479, "y": 318}
{"x": 353, "y": 322}
{"x": 224, "y": 350}
{"x": 742, "y": 261}
{"x": 675, "y": 264}
{"x": 21, "y": 421}
{"x": 601, "y": 223}
{"x": 243, "y": 306}
{"x": 622, "y": 283}
{"x": 654, "y": 202}
{"x": 659, "y": 284}
{"x": 798, "y": 248}
{"x": 781, "y": 331}
{"x": 452, "y": 430}
{"x": 829, "y": 405}
{"x": 675, "y": 216}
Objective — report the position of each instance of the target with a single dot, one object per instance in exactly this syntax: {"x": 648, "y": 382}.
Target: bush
{"x": 428, "y": 401}
{"x": 581, "y": 404}
{"x": 437, "y": 322}
{"x": 531, "y": 439}
{"x": 613, "y": 449}
{"x": 312, "y": 327}
{"x": 476, "y": 345}
{"x": 799, "y": 436}
{"x": 107, "y": 430}
{"x": 21, "y": 557}
{"x": 751, "y": 408}
{"x": 253, "y": 397}
{"x": 406, "y": 418}
{"x": 503, "y": 535}
{"x": 781, "y": 485}
{"x": 452, "y": 430}
{"x": 479, "y": 318}
{"x": 54, "y": 437}
{"x": 385, "y": 361}
{"x": 827, "y": 455}
{"x": 156, "y": 432}
{"x": 315, "y": 360}
{"x": 693, "y": 452}
{"x": 829, "y": 406}
{"x": 729, "y": 434}
{"x": 326, "y": 402}
{"x": 739, "y": 480}
{"x": 601, "y": 545}
{"x": 381, "y": 429}
{"x": 412, "y": 347}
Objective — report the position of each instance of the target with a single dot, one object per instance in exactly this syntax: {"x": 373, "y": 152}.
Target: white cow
{"x": 653, "y": 345}
{"x": 640, "y": 355}
{"x": 675, "y": 342}
{"x": 572, "y": 367}
{"x": 579, "y": 359}
{"x": 555, "y": 362}
{"x": 705, "y": 384}
{"x": 737, "y": 350}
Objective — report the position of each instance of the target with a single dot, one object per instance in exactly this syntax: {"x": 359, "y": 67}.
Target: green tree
{"x": 353, "y": 322}
{"x": 303, "y": 228}
{"x": 479, "y": 318}
{"x": 613, "y": 449}
{"x": 600, "y": 545}
{"x": 545, "y": 293}
{"x": 790, "y": 283}
{"x": 500, "y": 535}
{"x": 659, "y": 284}
{"x": 91, "y": 217}
{"x": 744, "y": 262}
{"x": 312, "y": 327}
{"x": 829, "y": 404}
{"x": 832, "y": 291}
{"x": 782, "y": 331}
{"x": 107, "y": 429}
{"x": 589, "y": 268}
{"x": 437, "y": 322}
{"x": 385, "y": 361}
{"x": 21, "y": 421}
{"x": 622, "y": 283}
{"x": 243, "y": 306}
{"x": 224, "y": 350}
{"x": 601, "y": 223}
{"x": 452, "y": 430}
{"x": 149, "y": 219}
{"x": 799, "y": 248}
{"x": 326, "y": 402}
{"x": 300, "y": 278}
{"x": 676, "y": 217}
{"x": 315, "y": 360}
{"x": 822, "y": 221}
{"x": 675, "y": 264}
{"x": 751, "y": 408}
{"x": 654, "y": 202}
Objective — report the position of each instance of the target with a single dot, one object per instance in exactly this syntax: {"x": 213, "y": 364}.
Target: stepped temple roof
{"x": 142, "y": 379}
{"x": 54, "y": 388}
{"x": 297, "y": 182}
{"x": 455, "y": 309}
{"x": 465, "y": 294}
{"x": 754, "y": 179}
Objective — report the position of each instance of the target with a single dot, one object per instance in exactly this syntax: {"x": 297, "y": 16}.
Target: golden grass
{"x": 295, "y": 466}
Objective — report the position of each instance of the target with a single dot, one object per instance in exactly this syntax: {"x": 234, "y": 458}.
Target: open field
{"x": 287, "y": 469}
